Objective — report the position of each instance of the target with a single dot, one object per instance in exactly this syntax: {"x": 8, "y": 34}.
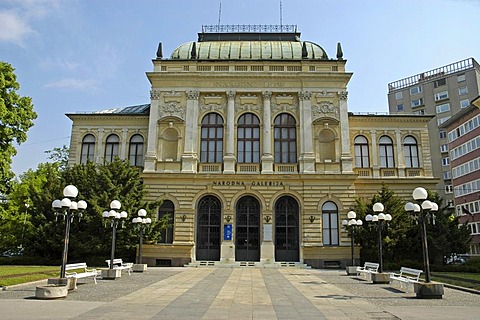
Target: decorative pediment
{"x": 212, "y": 99}
{"x": 282, "y": 99}
{"x": 249, "y": 99}
{"x": 325, "y": 109}
{"x": 172, "y": 96}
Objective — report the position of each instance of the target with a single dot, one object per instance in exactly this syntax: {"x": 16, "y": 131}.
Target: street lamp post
{"x": 115, "y": 218}
{"x": 423, "y": 210}
{"x": 351, "y": 224}
{"x": 379, "y": 217}
{"x": 141, "y": 223}
{"x": 67, "y": 209}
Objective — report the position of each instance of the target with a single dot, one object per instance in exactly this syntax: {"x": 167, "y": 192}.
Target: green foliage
{"x": 402, "y": 239}
{"x": 90, "y": 238}
{"x": 59, "y": 155}
{"x": 16, "y": 118}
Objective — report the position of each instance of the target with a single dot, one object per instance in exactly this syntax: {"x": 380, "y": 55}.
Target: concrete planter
{"x": 139, "y": 268}
{"x": 351, "y": 270}
{"x": 431, "y": 290}
{"x": 111, "y": 274}
{"x": 380, "y": 278}
{"x": 70, "y": 283}
{"x": 51, "y": 291}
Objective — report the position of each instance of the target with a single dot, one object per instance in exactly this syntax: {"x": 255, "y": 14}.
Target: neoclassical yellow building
{"x": 248, "y": 139}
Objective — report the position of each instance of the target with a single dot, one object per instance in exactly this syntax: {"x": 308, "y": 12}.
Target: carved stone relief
{"x": 325, "y": 109}
{"x": 172, "y": 109}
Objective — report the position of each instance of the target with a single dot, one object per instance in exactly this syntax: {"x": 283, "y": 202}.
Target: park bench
{"x": 405, "y": 279}
{"x": 80, "y": 274}
{"x": 119, "y": 264}
{"x": 367, "y": 270}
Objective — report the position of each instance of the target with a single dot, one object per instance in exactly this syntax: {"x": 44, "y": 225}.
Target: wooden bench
{"x": 367, "y": 270}
{"x": 119, "y": 264}
{"x": 80, "y": 274}
{"x": 405, "y": 279}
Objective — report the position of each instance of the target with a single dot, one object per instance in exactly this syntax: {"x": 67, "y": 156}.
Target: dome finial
{"x": 159, "y": 51}
{"x": 193, "y": 53}
{"x": 339, "y": 51}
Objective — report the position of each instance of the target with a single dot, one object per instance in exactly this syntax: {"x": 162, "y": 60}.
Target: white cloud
{"x": 12, "y": 27}
{"x": 73, "y": 84}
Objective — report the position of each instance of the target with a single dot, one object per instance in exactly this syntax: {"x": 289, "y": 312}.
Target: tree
{"x": 16, "y": 118}
{"x": 59, "y": 155}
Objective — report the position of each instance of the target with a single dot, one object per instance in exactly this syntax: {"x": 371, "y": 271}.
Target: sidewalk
{"x": 238, "y": 293}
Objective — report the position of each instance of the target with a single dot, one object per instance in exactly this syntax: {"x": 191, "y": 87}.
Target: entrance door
{"x": 247, "y": 236}
{"x": 286, "y": 229}
{"x": 208, "y": 229}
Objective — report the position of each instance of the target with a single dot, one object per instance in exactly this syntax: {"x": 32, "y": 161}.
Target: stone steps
{"x": 246, "y": 264}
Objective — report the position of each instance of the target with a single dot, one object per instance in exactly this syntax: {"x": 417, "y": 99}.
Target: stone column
{"x": 100, "y": 146}
{"x": 374, "y": 158}
{"x": 123, "y": 145}
{"x": 400, "y": 159}
{"x": 190, "y": 157}
{"x": 307, "y": 159}
{"x": 346, "y": 156}
{"x": 151, "y": 154}
{"x": 267, "y": 157}
{"x": 229, "y": 158}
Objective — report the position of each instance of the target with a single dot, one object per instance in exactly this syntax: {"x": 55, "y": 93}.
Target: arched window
{"x": 88, "y": 149}
{"x": 285, "y": 139}
{"x": 135, "y": 152}
{"x": 410, "y": 148}
{"x": 212, "y": 139}
{"x": 248, "y": 139}
{"x": 167, "y": 212}
{"x": 362, "y": 159}
{"x": 111, "y": 147}
{"x": 330, "y": 224}
{"x": 386, "y": 152}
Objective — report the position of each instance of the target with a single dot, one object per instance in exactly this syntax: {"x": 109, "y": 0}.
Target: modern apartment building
{"x": 441, "y": 92}
{"x": 248, "y": 140}
{"x": 463, "y": 132}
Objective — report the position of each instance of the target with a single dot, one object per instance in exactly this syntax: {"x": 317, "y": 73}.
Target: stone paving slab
{"x": 236, "y": 293}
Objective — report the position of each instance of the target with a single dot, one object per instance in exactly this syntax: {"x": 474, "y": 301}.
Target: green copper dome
{"x": 249, "y": 50}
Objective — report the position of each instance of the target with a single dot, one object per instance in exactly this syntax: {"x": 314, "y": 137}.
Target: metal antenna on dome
{"x": 281, "y": 14}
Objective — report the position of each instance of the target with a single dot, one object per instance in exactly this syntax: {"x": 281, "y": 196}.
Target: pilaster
{"x": 346, "y": 156}
{"x": 229, "y": 158}
{"x": 189, "y": 157}
{"x": 267, "y": 157}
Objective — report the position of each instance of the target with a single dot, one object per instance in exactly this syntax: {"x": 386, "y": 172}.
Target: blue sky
{"x": 85, "y": 55}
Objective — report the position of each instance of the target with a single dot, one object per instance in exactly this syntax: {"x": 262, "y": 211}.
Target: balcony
{"x": 248, "y": 168}
{"x": 286, "y": 167}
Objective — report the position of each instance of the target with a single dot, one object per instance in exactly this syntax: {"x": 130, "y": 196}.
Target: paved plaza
{"x": 235, "y": 293}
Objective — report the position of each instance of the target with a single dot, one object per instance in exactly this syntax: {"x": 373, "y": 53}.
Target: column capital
{"x": 343, "y": 95}
{"x": 192, "y": 95}
{"x": 267, "y": 95}
{"x": 154, "y": 94}
{"x": 304, "y": 95}
{"x": 231, "y": 95}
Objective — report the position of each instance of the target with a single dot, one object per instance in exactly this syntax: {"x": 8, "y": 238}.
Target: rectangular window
{"x": 441, "y": 95}
{"x": 464, "y": 103}
{"x": 417, "y": 102}
{"x": 443, "y": 107}
{"x": 400, "y": 107}
{"x": 442, "y": 134}
{"x": 415, "y": 90}
{"x": 448, "y": 188}
{"x": 462, "y": 91}
{"x": 398, "y": 95}
{"x": 446, "y": 175}
{"x": 419, "y": 112}
{"x": 461, "y": 77}
{"x": 439, "y": 82}
{"x": 444, "y": 148}
{"x": 445, "y": 161}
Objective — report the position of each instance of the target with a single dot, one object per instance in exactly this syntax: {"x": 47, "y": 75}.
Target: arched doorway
{"x": 208, "y": 229}
{"x": 286, "y": 229}
{"x": 247, "y": 236}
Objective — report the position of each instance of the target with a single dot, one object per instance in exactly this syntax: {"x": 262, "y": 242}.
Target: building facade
{"x": 441, "y": 92}
{"x": 463, "y": 132}
{"x": 248, "y": 140}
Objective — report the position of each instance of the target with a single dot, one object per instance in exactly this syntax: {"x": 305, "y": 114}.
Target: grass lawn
{"x": 467, "y": 280}
{"x": 10, "y": 275}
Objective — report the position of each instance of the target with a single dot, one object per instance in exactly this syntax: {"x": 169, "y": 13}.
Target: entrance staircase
{"x": 251, "y": 264}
